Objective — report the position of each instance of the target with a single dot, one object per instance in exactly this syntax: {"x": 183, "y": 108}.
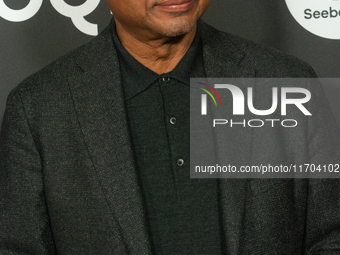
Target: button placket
{"x": 180, "y": 162}
{"x": 166, "y": 79}
{"x": 172, "y": 120}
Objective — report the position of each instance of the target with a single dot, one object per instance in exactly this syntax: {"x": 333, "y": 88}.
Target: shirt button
{"x": 173, "y": 120}
{"x": 166, "y": 79}
{"x": 180, "y": 162}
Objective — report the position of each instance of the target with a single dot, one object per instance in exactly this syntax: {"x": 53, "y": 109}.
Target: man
{"x": 95, "y": 149}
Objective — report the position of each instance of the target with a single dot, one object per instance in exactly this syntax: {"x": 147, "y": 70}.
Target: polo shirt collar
{"x": 136, "y": 77}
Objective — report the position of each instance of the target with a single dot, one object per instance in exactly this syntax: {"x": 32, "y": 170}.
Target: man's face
{"x": 155, "y": 18}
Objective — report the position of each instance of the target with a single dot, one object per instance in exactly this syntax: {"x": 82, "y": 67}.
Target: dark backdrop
{"x": 27, "y": 46}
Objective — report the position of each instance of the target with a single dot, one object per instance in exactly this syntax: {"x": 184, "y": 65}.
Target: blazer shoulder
{"x": 270, "y": 62}
{"x": 267, "y": 61}
{"x": 54, "y": 77}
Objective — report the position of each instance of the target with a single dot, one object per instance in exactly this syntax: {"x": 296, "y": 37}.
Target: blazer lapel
{"x": 223, "y": 59}
{"x": 100, "y": 107}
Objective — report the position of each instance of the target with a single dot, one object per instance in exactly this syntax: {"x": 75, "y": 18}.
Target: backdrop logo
{"x": 320, "y": 17}
{"x": 75, "y": 13}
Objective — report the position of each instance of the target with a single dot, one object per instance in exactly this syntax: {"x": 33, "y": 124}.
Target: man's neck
{"x": 160, "y": 55}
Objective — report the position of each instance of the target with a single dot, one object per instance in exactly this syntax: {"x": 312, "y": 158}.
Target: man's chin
{"x": 176, "y": 29}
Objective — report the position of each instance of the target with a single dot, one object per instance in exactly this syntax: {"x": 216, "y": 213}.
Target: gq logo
{"x": 320, "y": 17}
{"x": 76, "y": 13}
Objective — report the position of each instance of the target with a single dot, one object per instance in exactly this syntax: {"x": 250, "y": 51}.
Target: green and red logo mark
{"x": 204, "y": 97}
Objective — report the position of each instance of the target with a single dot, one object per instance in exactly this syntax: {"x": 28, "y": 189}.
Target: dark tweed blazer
{"x": 68, "y": 181}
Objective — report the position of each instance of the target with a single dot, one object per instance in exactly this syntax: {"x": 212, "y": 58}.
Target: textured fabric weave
{"x": 182, "y": 213}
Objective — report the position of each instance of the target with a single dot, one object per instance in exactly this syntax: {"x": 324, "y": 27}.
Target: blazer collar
{"x": 99, "y": 103}
{"x": 222, "y": 57}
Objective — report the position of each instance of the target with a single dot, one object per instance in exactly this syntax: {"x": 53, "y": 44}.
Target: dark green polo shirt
{"x": 182, "y": 213}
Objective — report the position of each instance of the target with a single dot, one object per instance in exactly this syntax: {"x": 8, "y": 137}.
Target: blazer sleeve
{"x": 24, "y": 221}
{"x": 323, "y": 203}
